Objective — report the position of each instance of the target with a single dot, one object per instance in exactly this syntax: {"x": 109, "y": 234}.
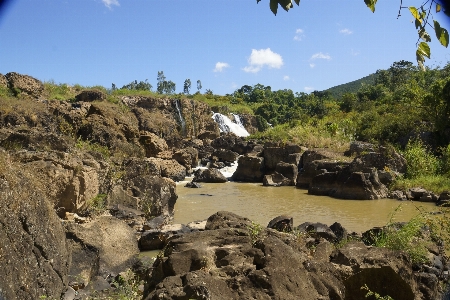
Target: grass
{"x": 223, "y": 104}
{"x": 435, "y": 183}
{"x": 255, "y": 232}
{"x": 311, "y": 135}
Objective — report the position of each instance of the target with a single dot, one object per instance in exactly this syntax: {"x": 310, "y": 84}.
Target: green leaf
{"x": 420, "y": 60}
{"x": 415, "y": 13}
{"x": 371, "y": 4}
{"x": 424, "y": 35}
{"x": 423, "y": 49}
{"x": 438, "y": 7}
{"x": 285, "y": 4}
{"x": 417, "y": 23}
{"x": 441, "y": 34}
{"x": 274, "y": 6}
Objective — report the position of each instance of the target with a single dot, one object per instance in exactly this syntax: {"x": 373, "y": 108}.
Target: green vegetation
{"x": 255, "y": 232}
{"x": 351, "y": 87}
{"x": 374, "y": 294}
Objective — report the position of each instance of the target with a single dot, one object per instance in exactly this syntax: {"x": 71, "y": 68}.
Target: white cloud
{"x": 299, "y": 35}
{"x": 220, "y": 66}
{"x": 354, "y": 53}
{"x": 312, "y": 65}
{"x": 108, "y": 3}
{"x": 286, "y": 77}
{"x": 263, "y": 57}
{"x": 320, "y": 55}
{"x": 308, "y": 89}
{"x": 346, "y": 31}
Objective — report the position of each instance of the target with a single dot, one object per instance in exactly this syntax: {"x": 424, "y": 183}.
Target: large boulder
{"x": 157, "y": 195}
{"x": 211, "y": 175}
{"x": 225, "y": 155}
{"x": 33, "y": 249}
{"x": 113, "y": 241}
{"x": 187, "y": 157}
{"x": 249, "y": 169}
{"x": 274, "y": 155}
{"x": 311, "y": 169}
{"x": 170, "y": 168}
{"x": 290, "y": 171}
{"x": 24, "y": 83}
{"x": 153, "y": 144}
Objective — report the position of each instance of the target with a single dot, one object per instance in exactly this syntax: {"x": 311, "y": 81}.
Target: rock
{"x": 34, "y": 140}
{"x": 209, "y": 175}
{"x": 114, "y": 241}
{"x": 274, "y": 155}
{"x": 362, "y": 186}
{"x": 33, "y": 255}
{"x": 90, "y": 95}
{"x": 276, "y": 179}
{"x": 310, "y": 169}
{"x": 249, "y": 169}
{"x": 398, "y": 195}
{"x": 25, "y": 84}
{"x": 359, "y": 148}
{"x": 187, "y": 157}
{"x": 339, "y": 231}
{"x": 118, "y": 196}
{"x": 197, "y": 225}
{"x": 382, "y": 270}
{"x": 193, "y": 185}
{"x": 318, "y": 230}
{"x": 3, "y": 81}
{"x": 225, "y": 155}
{"x": 157, "y": 195}
{"x": 445, "y": 195}
{"x": 70, "y": 294}
{"x": 173, "y": 170}
{"x": 225, "y": 219}
{"x": 153, "y": 144}
{"x": 282, "y": 223}
{"x": 225, "y": 141}
{"x": 289, "y": 171}
{"x": 157, "y": 238}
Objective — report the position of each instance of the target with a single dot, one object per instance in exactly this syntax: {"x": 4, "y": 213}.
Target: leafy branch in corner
{"x": 421, "y": 21}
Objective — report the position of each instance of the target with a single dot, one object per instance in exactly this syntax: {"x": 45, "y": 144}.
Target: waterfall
{"x": 226, "y": 125}
{"x": 180, "y": 116}
{"x": 237, "y": 120}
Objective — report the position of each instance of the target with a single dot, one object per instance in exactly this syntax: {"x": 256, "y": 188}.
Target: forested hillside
{"x": 351, "y": 87}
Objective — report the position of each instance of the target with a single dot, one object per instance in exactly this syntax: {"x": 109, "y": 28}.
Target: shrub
{"x": 419, "y": 161}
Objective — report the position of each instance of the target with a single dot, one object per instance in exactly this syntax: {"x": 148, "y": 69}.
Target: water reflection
{"x": 261, "y": 204}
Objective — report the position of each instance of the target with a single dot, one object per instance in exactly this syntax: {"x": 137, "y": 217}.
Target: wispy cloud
{"x": 263, "y": 57}
{"x": 345, "y": 31}
{"x": 299, "y": 34}
{"x": 354, "y": 53}
{"x": 308, "y": 89}
{"x": 220, "y": 66}
{"x": 320, "y": 55}
{"x": 286, "y": 78}
{"x": 108, "y": 3}
{"x": 311, "y": 65}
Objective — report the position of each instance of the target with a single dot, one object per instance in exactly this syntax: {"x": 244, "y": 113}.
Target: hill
{"x": 351, "y": 87}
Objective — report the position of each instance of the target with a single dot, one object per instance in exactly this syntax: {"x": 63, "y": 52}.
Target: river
{"x": 261, "y": 204}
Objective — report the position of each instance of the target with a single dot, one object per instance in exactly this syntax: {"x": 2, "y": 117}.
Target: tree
{"x": 187, "y": 86}
{"x": 134, "y": 85}
{"x": 421, "y": 16}
{"x": 199, "y": 85}
{"x": 163, "y": 86}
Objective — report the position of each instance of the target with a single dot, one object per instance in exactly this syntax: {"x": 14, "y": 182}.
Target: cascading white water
{"x": 180, "y": 116}
{"x": 226, "y": 125}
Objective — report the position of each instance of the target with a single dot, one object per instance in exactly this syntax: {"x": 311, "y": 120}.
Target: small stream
{"x": 261, "y": 204}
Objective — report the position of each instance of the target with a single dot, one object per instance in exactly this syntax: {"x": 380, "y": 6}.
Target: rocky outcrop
{"x": 90, "y": 95}
{"x": 153, "y": 144}
{"x": 3, "y": 81}
{"x": 249, "y": 169}
{"x": 25, "y": 84}
{"x": 211, "y": 175}
{"x": 274, "y": 155}
{"x": 233, "y": 259}
{"x": 33, "y": 249}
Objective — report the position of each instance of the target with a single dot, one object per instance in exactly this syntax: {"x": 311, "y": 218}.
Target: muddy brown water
{"x": 261, "y": 204}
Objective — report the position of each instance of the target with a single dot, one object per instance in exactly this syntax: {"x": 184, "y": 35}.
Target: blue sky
{"x": 223, "y": 43}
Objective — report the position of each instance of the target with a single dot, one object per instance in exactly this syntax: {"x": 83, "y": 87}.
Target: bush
{"x": 419, "y": 161}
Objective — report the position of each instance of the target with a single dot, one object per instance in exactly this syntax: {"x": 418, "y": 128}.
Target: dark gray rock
{"x": 249, "y": 169}
{"x": 211, "y": 175}
{"x": 282, "y": 223}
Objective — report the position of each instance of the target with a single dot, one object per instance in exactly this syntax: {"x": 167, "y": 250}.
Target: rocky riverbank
{"x": 86, "y": 184}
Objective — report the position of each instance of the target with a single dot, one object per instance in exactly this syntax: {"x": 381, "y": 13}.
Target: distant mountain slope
{"x": 351, "y": 87}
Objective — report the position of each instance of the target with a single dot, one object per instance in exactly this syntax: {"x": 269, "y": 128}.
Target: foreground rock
{"x": 233, "y": 259}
